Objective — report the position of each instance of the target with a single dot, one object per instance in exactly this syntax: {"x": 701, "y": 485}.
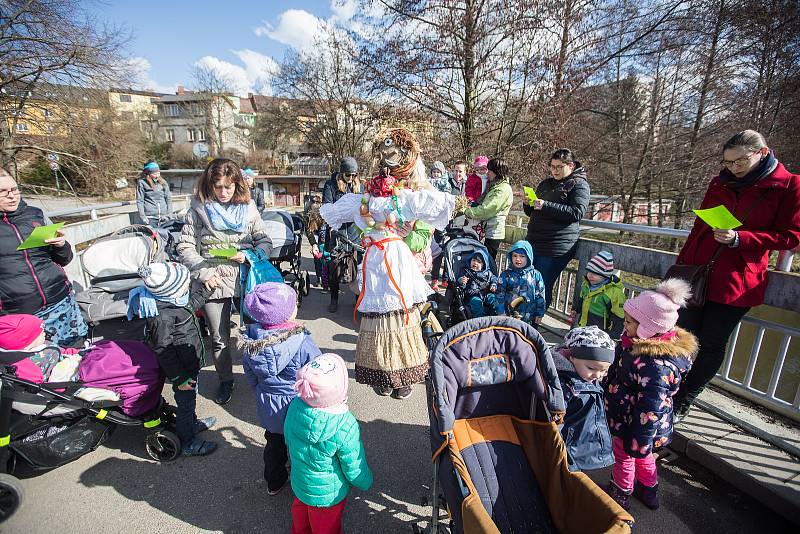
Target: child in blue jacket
{"x": 274, "y": 349}
{"x": 581, "y": 362}
{"x": 521, "y": 279}
{"x": 478, "y": 283}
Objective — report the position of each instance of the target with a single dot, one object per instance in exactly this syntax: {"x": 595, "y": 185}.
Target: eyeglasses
{"x": 558, "y": 168}
{"x": 738, "y": 162}
{"x": 14, "y": 191}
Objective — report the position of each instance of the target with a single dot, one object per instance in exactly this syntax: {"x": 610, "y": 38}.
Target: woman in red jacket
{"x": 759, "y": 191}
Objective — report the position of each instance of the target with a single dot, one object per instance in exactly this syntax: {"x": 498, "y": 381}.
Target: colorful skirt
{"x": 63, "y": 321}
{"x": 390, "y": 353}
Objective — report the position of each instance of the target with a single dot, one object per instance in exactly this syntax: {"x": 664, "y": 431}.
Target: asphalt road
{"x": 118, "y": 489}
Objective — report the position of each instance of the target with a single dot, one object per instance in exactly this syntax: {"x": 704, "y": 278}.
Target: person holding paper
{"x": 222, "y": 216}
{"x": 32, "y": 280}
{"x": 555, "y": 214}
{"x": 764, "y": 198}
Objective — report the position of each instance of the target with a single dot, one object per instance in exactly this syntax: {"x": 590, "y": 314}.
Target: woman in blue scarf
{"x": 222, "y": 217}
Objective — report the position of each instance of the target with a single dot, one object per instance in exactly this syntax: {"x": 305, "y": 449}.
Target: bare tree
{"x": 216, "y": 92}
{"x": 50, "y": 43}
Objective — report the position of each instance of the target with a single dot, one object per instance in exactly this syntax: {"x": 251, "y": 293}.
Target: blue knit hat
{"x": 248, "y": 172}
{"x": 150, "y": 167}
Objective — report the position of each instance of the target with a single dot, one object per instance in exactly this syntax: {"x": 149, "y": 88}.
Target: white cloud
{"x": 139, "y": 73}
{"x": 296, "y": 28}
{"x": 254, "y": 77}
{"x": 343, "y": 10}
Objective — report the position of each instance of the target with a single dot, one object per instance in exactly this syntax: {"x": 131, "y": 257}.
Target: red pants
{"x": 317, "y": 520}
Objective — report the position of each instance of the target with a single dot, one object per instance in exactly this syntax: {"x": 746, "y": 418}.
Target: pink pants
{"x": 627, "y": 468}
{"x": 317, "y": 520}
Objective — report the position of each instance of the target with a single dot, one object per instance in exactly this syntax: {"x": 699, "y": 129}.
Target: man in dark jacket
{"x": 32, "y": 281}
{"x": 256, "y": 193}
{"x": 555, "y": 217}
{"x": 340, "y": 183}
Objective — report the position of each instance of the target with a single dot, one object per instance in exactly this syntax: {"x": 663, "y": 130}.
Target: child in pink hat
{"x": 653, "y": 357}
{"x": 325, "y": 447}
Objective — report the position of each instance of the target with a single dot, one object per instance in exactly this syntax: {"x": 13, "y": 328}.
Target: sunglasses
{"x": 351, "y": 174}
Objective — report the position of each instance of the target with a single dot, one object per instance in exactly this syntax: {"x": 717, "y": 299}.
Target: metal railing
{"x": 783, "y": 293}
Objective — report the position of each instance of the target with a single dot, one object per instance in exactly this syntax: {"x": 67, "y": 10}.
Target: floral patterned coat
{"x": 640, "y": 387}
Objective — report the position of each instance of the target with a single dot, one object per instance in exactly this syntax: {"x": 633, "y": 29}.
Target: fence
{"x": 783, "y": 292}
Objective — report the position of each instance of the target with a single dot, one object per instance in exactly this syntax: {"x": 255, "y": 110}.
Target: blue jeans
{"x": 550, "y": 268}
{"x": 478, "y": 308}
{"x": 186, "y": 418}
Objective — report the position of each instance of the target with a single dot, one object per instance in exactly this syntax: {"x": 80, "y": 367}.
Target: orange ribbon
{"x": 368, "y": 243}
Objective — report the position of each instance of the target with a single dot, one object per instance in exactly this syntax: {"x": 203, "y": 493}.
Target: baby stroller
{"x": 456, "y": 253}
{"x": 46, "y": 425}
{"x": 499, "y": 460}
{"x": 286, "y": 231}
{"x": 170, "y": 232}
{"x": 111, "y": 265}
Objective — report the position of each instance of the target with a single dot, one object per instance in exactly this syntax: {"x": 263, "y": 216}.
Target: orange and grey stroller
{"x": 494, "y": 403}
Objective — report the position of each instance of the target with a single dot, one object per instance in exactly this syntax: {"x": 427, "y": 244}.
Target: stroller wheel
{"x": 11, "y": 495}
{"x": 162, "y": 445}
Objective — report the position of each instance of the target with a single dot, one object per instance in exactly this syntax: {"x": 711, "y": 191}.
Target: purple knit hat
{"x": 656, "y": 311}
{"x": 271, "y": 303}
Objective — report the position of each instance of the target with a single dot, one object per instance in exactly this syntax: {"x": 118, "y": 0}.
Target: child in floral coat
{"x": 652, "y": 359}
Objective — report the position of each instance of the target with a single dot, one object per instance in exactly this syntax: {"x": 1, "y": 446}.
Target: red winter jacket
{"x": 474, "y": 188}
{"x": 739, "y": 276}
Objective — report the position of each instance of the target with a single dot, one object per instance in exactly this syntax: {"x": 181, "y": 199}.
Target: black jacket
{"x": 553, "y": 230}
{"x": 330, "y": 194}
{"x": 257, "y": 194}
{"x": 32, "y": 279}
{"x": 174, "y": 335}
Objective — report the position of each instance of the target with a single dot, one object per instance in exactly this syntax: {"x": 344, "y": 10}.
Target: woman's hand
{"x": 213, "y": 282}
{"x": 537, "y": 204}
{"x": 58, "y": 240}
{"x": 239, "y": 257}
{"x": 726, "y": 237}
{"x": 315, "y": 250}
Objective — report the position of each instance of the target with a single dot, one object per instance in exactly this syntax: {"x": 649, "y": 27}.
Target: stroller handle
{"x": 344, "y": 237}
{"x": 113, "y": 278}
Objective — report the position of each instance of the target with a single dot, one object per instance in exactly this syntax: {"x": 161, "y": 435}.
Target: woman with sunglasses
{"x": 555, "y": 217}
{"x": 761, "y": 193}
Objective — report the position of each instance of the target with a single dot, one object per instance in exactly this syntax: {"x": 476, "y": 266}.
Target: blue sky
{"x": 243, "y": 39}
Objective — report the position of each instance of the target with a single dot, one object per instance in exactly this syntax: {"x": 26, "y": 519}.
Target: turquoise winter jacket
{"x": 327, "y": 454}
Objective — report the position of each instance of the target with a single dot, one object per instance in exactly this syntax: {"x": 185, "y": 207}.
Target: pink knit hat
{"x": 322, "y": 383}
{"x": 480, "y": 161}
{"x": 657, "y": 311}
{"x": 19, "y": 330}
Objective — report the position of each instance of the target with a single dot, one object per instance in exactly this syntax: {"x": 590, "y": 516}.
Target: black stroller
{"x": 286, "y": 231}
{"x": 456, "y": 252}
{"x": 46, "y": 426}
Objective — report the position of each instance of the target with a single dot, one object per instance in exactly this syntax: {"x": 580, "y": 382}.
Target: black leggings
{"x": 712, "y": 324}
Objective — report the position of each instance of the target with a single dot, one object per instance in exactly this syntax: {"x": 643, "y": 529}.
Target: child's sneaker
{"x": 648, "y": 495}
{"x": 622, "y": 497}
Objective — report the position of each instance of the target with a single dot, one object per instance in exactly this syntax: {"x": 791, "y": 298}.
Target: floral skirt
{"x": 63, "y": 322}
{"x": 390, "y": 353}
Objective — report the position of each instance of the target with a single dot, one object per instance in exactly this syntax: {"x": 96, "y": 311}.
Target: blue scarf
{"x": 142, "y": 303}
{"x": 229, "y": 217}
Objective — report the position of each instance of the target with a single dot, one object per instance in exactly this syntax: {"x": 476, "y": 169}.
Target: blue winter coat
{"x": 478, "y": 282}
{"x": 585, "y": 429}
{"x": 271, "y": 359}
{"x": 526, "y": 282}
{"x": 639, "y": 390}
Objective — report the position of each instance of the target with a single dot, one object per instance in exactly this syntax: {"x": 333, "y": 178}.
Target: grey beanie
{"x": 348, "y": 165}
{"x": 590, "y": 343}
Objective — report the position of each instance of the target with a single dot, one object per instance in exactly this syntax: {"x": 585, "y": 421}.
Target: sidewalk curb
{"x": 735, "y": 468}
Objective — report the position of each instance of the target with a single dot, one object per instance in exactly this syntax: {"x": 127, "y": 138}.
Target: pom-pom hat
{"x": 656, "y": 311}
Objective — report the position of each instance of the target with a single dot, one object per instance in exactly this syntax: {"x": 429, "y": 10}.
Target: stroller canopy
{"x": 281, "y": 228}
{"x": 459, "y": 249}
{"x": 120, "y": 254}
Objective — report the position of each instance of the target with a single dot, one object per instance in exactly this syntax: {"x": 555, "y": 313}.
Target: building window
{"x": 51, "y": 129}
{"x": 201, "y": 134}
{"x": 196, "y": 109}
{"x": 170, "y": 136}
{"x": 172, "y": 110}
{"x": 124, "y": 98}
{"x": 48, "y": 113}
{"x": 22, "y": 127}
{"x": 190, "y": 135}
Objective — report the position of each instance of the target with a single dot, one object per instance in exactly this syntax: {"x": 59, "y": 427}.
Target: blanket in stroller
{"x": 129, "y": 368}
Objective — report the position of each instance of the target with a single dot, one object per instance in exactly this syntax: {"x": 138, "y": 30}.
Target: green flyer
{"x": 39, "y": 235}
{"x": 719, "y": 218}
{"x": 530, "y": 192}
{"x": 223, "y": 252}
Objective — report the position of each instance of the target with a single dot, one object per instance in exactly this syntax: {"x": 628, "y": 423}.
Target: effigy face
{"x": 395, "y": 148}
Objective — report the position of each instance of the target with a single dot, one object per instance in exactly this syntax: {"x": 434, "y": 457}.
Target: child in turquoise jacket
{"x": 324, "y": 446}
{"x": 521, "y": 279}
